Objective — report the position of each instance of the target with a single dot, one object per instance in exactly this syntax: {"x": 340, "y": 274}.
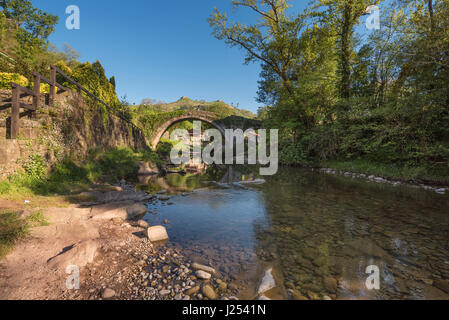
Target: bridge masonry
{"x": 221, "y": 124}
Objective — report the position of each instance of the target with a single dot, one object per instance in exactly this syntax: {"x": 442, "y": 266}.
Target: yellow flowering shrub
{"x": 7, "y": 78}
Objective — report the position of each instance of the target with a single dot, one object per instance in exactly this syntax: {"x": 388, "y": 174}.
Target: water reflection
{"x": 319, "y": 232}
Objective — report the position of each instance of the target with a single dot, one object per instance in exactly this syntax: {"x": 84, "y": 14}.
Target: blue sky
{"x": 160, "y": 49}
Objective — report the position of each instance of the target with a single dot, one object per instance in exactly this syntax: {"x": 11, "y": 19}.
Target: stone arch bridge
{"x": 220, "y": 123}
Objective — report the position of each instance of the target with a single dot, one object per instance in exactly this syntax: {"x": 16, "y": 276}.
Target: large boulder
{"x": 79, "y": 255}
{"x": 120, "y": 196}
{"x": 123, "y": 210}
{"x": 157, "y": 233}
{"x": 66, "y": 215}
{"x": 77, "y": 231}
{"x": 136, "y": 210}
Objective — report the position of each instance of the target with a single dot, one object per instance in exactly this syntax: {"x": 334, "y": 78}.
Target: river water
{"x": 318, "y": 233}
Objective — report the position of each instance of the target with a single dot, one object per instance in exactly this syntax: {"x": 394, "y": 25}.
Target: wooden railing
{"x": 19, "y": 92}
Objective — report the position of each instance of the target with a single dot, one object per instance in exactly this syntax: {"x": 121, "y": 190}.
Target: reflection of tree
{"x": 303, "y": 241}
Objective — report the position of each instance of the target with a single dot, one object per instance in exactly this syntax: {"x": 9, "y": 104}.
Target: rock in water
{"x": 331, "y": 284}
{"x": 136, "y": 210}
{"x": 203, "y": 275}
{"x": 164, "y": 292}
{"x": 192, "y": 291}
{"x": 441, "y": 284}
{"x": 222, "y": 286}
{"x": 255, "y": 181}
{"x": 197, "y": 266}
{"x": 157, "y": 233}
{"x": 108, "y": 293}
{"x": 267, "y": 282}
{"x": 209, "y": 292}
{"x": 143, "y": 224}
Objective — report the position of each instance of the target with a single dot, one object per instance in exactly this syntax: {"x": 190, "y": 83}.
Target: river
{"x": 318, "y": 233}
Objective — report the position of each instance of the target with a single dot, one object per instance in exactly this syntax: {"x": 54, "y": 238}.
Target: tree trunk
{"x": 346, "y": 53}
{"x": 431, "y": 15}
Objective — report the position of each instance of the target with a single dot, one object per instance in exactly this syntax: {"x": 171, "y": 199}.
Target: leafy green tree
{"x": 112, "y": 81}
{"x": 272, "y": 41}
{"x": 38, "y": 23}
{"x": 343, "y": 16}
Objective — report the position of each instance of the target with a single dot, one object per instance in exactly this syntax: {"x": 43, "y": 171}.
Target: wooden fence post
{"x": 37, "y": 93}
{"x": 52, "y": 86}
{"x": 15, "y": 114}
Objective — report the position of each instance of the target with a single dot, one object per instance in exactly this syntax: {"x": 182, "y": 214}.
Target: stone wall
{"x": 71, "y": 127}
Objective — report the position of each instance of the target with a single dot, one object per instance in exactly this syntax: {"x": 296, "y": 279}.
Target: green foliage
{"x": 380, "y": 97}
{"x": 114, "y": 164}
{"x": 7, "y": 78}
{"x": 37, "y": 23}
{"x": 93, "y": 78}
{"x": 13, "y": 228}
{"x": 150, "y": 117}
{"x": 35, "y": 167}
{"x": 150, "y": 120}
{"x": 23, "y": 37}
{"x": 112, "y": 81}
{"x": 164, "y": 148}
{"x": 101, "y": 166}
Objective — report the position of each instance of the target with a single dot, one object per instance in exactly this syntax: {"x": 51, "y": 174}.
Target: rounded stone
{"x": 203, "y": 275}
{"x": 108, "y": 293}
{"x": 209, "y": 292}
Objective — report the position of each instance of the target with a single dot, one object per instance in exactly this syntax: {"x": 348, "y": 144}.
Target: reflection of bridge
{"x": 221, "y": 124}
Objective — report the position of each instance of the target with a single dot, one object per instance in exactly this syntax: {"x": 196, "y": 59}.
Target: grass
{"x": 13, "y": 228}
{"x": 419, "y": 173}
{"x": 70, "y": 177}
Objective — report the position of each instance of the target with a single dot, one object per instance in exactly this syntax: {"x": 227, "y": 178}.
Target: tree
{"x": 272, "y": 41}
{"x": 112, "y": 81}
{"x": 343, "y": 15}
{"x": 38, "y": 23}
{"x": 70, "y": 54}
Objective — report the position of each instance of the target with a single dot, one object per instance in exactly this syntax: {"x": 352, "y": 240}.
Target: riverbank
{"x": 440, "y": 187}
{"x": 411, "y": 175}
{"x": 291, "y": 231}
{"x": 110, "y": 245}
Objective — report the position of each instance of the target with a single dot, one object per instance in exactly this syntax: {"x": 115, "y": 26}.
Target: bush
{"x": 13, "y": 228}
{"x": 7, "y": 78}
{"x": 66, "y": 176}
{"x": 35, "y": 167}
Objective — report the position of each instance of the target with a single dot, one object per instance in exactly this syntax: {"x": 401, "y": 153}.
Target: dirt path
{"x": 108, "y": 244}
{"x": 28, "y": 273}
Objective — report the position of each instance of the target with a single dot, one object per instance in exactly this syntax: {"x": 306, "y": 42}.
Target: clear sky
{"x": 160, "y": 49}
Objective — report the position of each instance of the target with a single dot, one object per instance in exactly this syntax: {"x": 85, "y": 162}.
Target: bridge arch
{"x": 201, "y": 116}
